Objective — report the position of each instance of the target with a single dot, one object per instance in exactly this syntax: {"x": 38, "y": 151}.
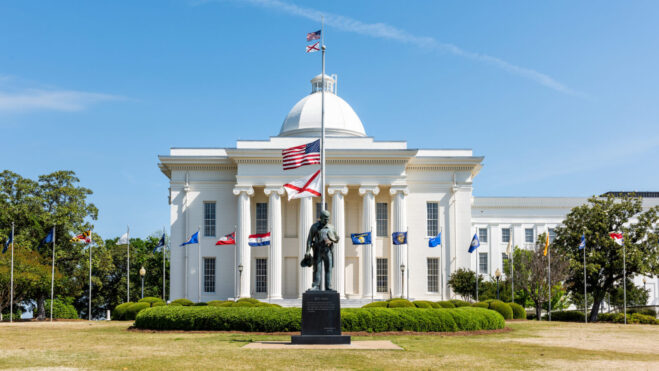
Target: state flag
{"x": 544, "y": 253}
{"x": 123, "y": 240}
{"x": 399, "y": 238}
{"x": 161, "y": 243}
{"x": 85, "y": 237}
{"x": 315, "y": 47}
{"x": 7, "y": 243}
{"x": 435, "y": 241}
{"x": 308, "y": 186}
{"x": 361, "y": 238}
{"x": 475, "y": 243}
{"x": 617, "y": 238}
{"x": 193, "y": 239}
{"x": 582, "y": 244}
{"x": 229, "y": 239}
{"x": 262, "y": 239}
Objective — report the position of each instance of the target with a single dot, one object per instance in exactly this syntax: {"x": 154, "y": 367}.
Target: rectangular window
{"x": 209, "y": 274}
{"x": 209, "y": 219}
{"x": 382, "y": 274}
{"x": 528, "y": 235}
{"x": 382, "y": 219}
{"x": 482, "y": 235}
{"x": 318, "y": 210}
{"x": 261, "y": 217}
{"x": 261, "y": 275}
{"x": 433, "y": 274}
{"x": 432, "y": 219}
{"x": 552, "y": 234}
{"x": 505, "y": 235}
{"x": 482, "y": 263}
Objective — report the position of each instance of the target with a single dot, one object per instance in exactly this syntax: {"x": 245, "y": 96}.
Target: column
{"x": 400, "y": 251}
{"x": 306, "y": 220}
{"x": 186, "y": 230}
{"x": 368, "y": 252}
{"x": 242, "y": 237}
{"x": 275, "y": 260}
{"x": 338, "y": 219}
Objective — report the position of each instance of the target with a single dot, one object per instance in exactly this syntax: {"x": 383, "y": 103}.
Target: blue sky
{"x": 560, "y": 97}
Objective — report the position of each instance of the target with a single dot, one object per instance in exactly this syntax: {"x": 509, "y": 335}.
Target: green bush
{"x": 242, "y": 304}
{"x": 288, "y": 319}
{"x": 376, "y": 304}
{"x": 445, "y": 304}
{"x": 566, "y": 316}
{"x": 460, "y": 303}
{"x": 184, "y": 302}
{"x": 133, "y": 309}
{"x": 400, "y": 303}
{"x": 158, "y": 304}
{"x": 61, "y": 310}
{"x": 16, "y": 317}
{"x": 217, "y": 303}
{"x": 248, "y": 300}
{"x": 481, "y": 304}
{"x": 504, "y": 309}
{"x": 200, "y": 304}
{"x": 518, "y": 311}
{"x": 631, "y": 318}
{"x": 151, "y": 300}
{"x": 646, "y": 311}
{"x": 119, "y": 312}
{"x": 422, "y": 304}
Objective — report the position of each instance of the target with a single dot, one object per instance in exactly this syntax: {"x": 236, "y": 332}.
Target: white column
{"x": 338, "y": 219}
{"x": 242, "y": 237}
{"x": 306, "y": 220}
{"x": 368, "y": 252}
{"x": 400, "y": 251}
{"x": 186, "y": 231}
{"x": 275, "y": 261}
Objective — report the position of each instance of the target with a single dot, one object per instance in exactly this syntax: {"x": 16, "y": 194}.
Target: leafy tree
{"x": 604, "y": 258}
{"x": 636, "y": 295}
{"x": 29, "y": 276}
{"x": 463, "y": 283}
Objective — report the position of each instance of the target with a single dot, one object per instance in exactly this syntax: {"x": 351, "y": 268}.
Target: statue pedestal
{"x": 321, "y": 319}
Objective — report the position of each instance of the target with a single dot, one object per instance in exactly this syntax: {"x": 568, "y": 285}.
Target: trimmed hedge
{"x": 518, "y": 311}
{"x": 460, "y": 303}
{"x": 119, "y": 312}
{"x": 422, "y": 304}
{"x": 133, "y": 309}
{"x": 646, "y": 311}
{"x": 376, "y": 304}
{"x": 288, "y": 319}
{"x": 61, "y": 310}
{"x": 151, "y": 300}
{"x": 445, "y": 304}
{"x": 566, "y": 316}
{"x": 400, "y": 303}
{"x": 631, "y": 318}
{"x": 184, "y": 302}
{"x": 504, "y": 309}
{"x": 481, "y": 304}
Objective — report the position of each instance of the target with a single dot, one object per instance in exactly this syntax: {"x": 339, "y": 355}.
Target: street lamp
{"x": 497, "y": 274}
{"x": 644, "y": 282}
{"x": 142, "y": 274}
{"x": 240, "y": 280}
{"x": 402, "y": 280}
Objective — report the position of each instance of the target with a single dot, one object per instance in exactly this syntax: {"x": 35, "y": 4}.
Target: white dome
{"x": 304, "y": 118}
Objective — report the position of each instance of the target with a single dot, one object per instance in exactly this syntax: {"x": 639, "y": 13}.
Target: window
{"x": 382, "y": 219}
{"x": 261, "y": 275}
{"x": 528, "y": 235}
{"x": 261, "y": 217}
{"x": 209, "y": 219}
{"x": 482, "y": 263}
{"x": 505, "y": 235}
{"x": 382, "y": 274}
{"x": 433, "y": 274}
{"x": 318, "y": 210}
{"x": 552, "y": 234}
{"x": 482, "y": 235}
{"x": 432, "y": 218}
{"x": 209, "y": 274}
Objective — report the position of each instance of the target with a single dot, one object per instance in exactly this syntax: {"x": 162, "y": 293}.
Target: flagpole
{"x": 52, "y": 279}
{"x": 477, "y": 264}
{"x": 164, "y": 251}
{"x": 198, "y": 266}
{"x": 624, "y": 278}
{"x": 235, "y": 264}
{"x": 512, "y": 271}
{"x": 128, "y": 265}
{"x": 322, "y": 116}
{"x": 585, "y": 293}
{"x": 548, "y": 274}
{"x": 11, "y": 297}
{"x": 90, "y": 274}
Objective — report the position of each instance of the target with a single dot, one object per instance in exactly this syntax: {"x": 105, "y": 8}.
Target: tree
{"x": 604, "y": 258}
{"x": 636, "y": 296}
{"x": 30, "y": 276}
{"x": 463, "y": 283}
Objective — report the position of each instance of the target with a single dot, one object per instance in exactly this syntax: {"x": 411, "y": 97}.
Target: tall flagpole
{"x": 322, "y": 117}
{"x": 198, "y": 266}
{"x": 52, "y": 279}
{"x": 512, "y": 270}
{"x": 128, "y": 265}
{"x": 548, "y": 273}
{"x": 11, "y": 297}
{"x": 164, "y": 251}
{"x": 90, "y": 274}
{"x": 585, "y": 293}
{"x": 624, "y": 278}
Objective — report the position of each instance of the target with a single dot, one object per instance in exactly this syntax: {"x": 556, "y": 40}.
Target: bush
{"x": 376, "y": 304}
{"x": 158, "y": 304}
{"x": 518, "y": 311}
{"x": 151, "y": 300}
{"x": 16, "y": 317}
{"x": 460, "y": 303}
{"x": 119, "y": 312}
{"x": 248, "y": 300}
{"x": 445, "y": 304}
{"x": 288, "y": 319}
{"x": 567, "y": 316}
{"x": 504, "y": 309}
{"x": 217, "y": 303}
{"x": 400, "y": 303}
{"x": 481, "y": 304}
{"x": 631, "y": 318}
{"x": 200, "y": 304}
{"x": 61, "y": 310}
{"x": 133, "y": 309}
{"x": 646, "y": 311}
{"x": 184, "y": 302}
{"x": 422, "y": 304}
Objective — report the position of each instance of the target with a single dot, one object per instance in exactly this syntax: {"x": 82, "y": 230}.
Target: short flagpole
{"x": 11, "y": 295}
{"x": 322, "y": 116}
{"x": 90, "y": 273}
{"x": 52, "y": 279}
{"x": 128, "y": 265}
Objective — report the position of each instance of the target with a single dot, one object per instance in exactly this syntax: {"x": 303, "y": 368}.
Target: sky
{"x": 560, "y": 97}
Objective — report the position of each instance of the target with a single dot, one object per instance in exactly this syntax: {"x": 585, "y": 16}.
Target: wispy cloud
{"x": 19, "y": 99}
{"x": 385, "y": 31}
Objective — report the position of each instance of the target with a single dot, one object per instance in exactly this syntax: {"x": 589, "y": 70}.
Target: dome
{"x": 304, "y": 118}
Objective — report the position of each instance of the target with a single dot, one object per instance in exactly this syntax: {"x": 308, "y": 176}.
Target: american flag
{"x": 306, "y": 154}
{"x": 313, "y": 35}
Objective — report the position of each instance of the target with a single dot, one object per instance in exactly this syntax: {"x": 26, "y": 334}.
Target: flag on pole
{"x": 193, "y": 239}
{"x": 361, "y": 238}
{"x": 161, "y": 243}
{"x": 85, "y": 237}
{"x": 582, "y": 244}
{"x": 315, "y": 47}
{"x": 123, "y": 240}
{"x": 617, "y": 238}
{"x": 308, "y": 186}
{"x": 48, "y": 239}
{"x": 435, "y": 240}
{"x": 509, "y": 248}
{"x": 313, "y": 35}
{"x": 399, "y": 238}
{"x": 229, "y": 239}
{"x": 262, "y": 239}
{"x": 475, "y": 243}
{"x": 546, "y": 244}
{"x": 7, "y": 243}
{"x": 305, "y": 154}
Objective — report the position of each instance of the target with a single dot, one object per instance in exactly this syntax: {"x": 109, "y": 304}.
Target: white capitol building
{"x": 378, "y": 186}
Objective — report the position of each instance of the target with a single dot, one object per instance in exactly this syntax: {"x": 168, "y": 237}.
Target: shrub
{"x": 422, "y": 304}
{"x": 481, "y": 304}
{"x": 631, "y": 318}
{"x": 646, "y": 311}
{"x": 184, "y": 302}
{"x": 460, "y": 303}
{"x": 504, "y": 309}
{"x": 400, "y": 303}
{"x": 200, "y": 304}
{"x": 248, "y": 300}
{"x": 158, "y": 304}
{"x": 217, "y": 303}
{"x": 566, "y": 316}
{"x": 61, "y": 310}
{"x": 376, "y": 304}
{"x": 119, "y": 312}
{"x": 133, "y": 309}
{"x": 242, "y": 304}
{"x": 518, "y": 311}
{"x": 643, "y": 319}
{"x": 151, "y": 300}
{"x": 445, "y": 304}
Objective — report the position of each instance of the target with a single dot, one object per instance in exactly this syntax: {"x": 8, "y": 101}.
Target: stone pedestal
{"x": 321, "y": 319}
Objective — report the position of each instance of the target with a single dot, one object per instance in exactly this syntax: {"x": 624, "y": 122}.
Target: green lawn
{"x": 108, "y": 345}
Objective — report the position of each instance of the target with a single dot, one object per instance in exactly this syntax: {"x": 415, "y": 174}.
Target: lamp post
{"x": 644, "y": 282}
{"x": 142, "y": 274}
{"x": 402, "y": 280}
{"x": 497, "y": 274}
{"x": 240, "y": 279}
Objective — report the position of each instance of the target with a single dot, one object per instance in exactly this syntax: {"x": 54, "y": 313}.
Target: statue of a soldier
{"x": 322, "y": 237}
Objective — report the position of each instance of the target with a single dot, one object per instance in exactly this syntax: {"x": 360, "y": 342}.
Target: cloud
{"x": 388, "y": 32}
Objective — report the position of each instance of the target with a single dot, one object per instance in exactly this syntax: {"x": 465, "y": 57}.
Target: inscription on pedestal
{"x": 321, "y": 319}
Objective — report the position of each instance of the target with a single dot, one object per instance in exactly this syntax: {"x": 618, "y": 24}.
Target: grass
{"x": 531, "y": 345}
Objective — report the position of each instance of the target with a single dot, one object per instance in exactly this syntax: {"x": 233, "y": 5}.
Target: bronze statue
{"x": 322, "y": 237}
